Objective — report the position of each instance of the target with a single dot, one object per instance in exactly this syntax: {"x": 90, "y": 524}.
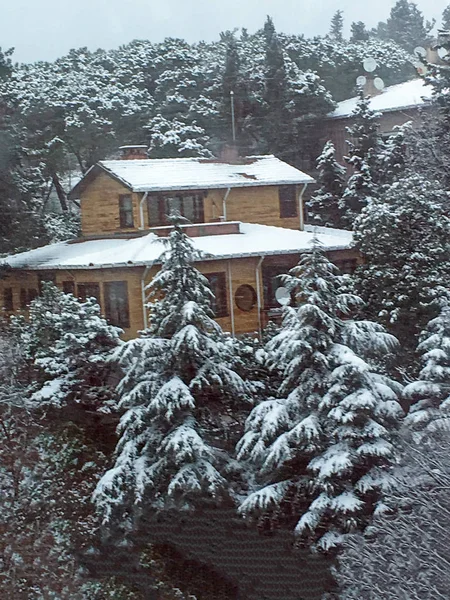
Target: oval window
{"x": 245, "y": 297}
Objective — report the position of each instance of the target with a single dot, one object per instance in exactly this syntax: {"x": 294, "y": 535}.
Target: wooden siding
{"x": 252, "y": 205}
{"x": 30, "y": 280}
{"x": 100, "y": 207}
{"x": 239, "y": 271}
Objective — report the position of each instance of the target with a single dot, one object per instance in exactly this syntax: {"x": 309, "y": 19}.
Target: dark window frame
{"x": 116, "y": 315}
{"x": 287, "y": 197}
{"x": 271, "y": 282}
{"x": 163, "y": 210}
{"x": 346, "y": 266}
{"x": 23, "y": 298}
{"x": 126, "y": 217}
{"x": 68, "y": 287}
{"x": 218, "y": 281}
{"x": 32, "y": 294}
{"x": 8, "y": 299}
{"x": 83, "y": 292}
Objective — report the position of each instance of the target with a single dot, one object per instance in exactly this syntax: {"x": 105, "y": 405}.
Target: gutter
{"x": 141, "y": 210}
{"x": 224, "y": 203}
{"x": 48, "y": 267}
{"x": 300, "y": 207}
{"x": 144, "y": 300}
{"x": 258, "y": 294}
{"x": 230, "y": 289}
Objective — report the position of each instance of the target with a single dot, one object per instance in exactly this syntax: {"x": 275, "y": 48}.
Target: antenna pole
{"x": 233, "y": 128}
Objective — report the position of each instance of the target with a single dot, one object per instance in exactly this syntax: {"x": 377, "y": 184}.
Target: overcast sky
{"x": 46, "y": 29}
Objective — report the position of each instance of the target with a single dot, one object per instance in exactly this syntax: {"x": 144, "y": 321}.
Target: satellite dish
{"x": 369, "y": 64}
{"x": 378, "y": 83}
{"x": 442, "y": 52}
{"x": 420, "y": 50}
{"x": 282, "y": 296}
{"x": 361, "y": 81}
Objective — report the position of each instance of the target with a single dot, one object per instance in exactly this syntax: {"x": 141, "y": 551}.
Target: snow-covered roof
{"x": 395, "y": 97}
{"x": 253, "y": 240}
{"x": 165, "y": 174}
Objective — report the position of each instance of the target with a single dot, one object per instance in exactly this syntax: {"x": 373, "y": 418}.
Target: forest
{"x": 188, "y": 464}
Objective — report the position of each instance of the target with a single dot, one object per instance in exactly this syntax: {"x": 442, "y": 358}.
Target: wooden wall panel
{"x": 100, "y": 206}
{"x": 237, "y": 272}
{"x": 251, "y": 205}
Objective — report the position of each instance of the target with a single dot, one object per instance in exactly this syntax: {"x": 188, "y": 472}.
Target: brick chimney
{"x": 230, "y": 154}
{"x": 134, "y": 152}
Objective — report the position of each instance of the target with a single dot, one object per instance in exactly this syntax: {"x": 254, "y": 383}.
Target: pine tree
{"x": 432, "y": 140}
{"x": 418, "y": 519}
{"x": 324, "y": 204}
{"x": 177, "y": 393}
{"x": 359, "y": 32}
{"x": 364, "y": 145}
{"x": 393, "y": 156}
{"x": 429, "y": 396}
{"x": 277, "y": 124}
{"x": 337, "y": 26}
{"x": 69, "y": 344}
{"x": 322, "y": 448}
{"x": 406, "y": 26}
{"x": 446, "y": 18}
{"x": 5, "y": 63}
{"x": 403, "y": 237}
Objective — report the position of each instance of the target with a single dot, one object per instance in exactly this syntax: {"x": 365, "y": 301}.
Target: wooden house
{"x": 396, "y": 105}
{"x": 246, "y": 218}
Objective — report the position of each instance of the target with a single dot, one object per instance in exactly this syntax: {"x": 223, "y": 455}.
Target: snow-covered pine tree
{"x": 433, "y": 138}
{"x": 323, "y": 207}
{"x": 364, "y": 145}
{"x": 70, "y": 345}
{"x": 359, "y": 32}
{"x": 446, "y": 18}
{"x": 321, "y": 450}
{"x": 404, "y": 236}
{"x": 406, "y": 555}
{"x": 429, "y": 396}
{"x": 393, "y": 155}
{"x": 406, "y": 26}
{"x": 178, "y": 392}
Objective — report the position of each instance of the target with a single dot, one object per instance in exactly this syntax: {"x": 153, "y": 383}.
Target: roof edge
{"x": 89, "y": 176}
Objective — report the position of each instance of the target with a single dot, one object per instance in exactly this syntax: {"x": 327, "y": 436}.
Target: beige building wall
{"x": 100, "y": 207}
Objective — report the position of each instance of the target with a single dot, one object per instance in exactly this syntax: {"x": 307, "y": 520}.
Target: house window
{"x": 88, "y": 290}
{"x": 218, "y": 286}
{"x": 287, "y": 195}
{"x": 189, "y": 206}
{"x": 32, "y": 294}
{"x": 68, "y": 287}
{"x": 8, "y": 302}
{"x": 347, "y": 266}
{"x": 26, "y": 297}
{"x": 23, "y": 298}
{"x": 126, "y": 211}
{"x": 271, "y": 282}
{"x": 116, "y": 303}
